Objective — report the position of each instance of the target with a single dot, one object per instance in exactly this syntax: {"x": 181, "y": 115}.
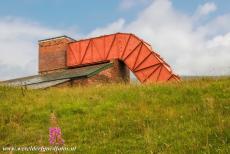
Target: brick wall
{"x": 118, "y": 73}
{"x": 52, "y": 54}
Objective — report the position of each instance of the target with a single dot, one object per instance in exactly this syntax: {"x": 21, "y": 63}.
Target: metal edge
{"x": 100, "y": 69}
{"x": 54, "y": 38}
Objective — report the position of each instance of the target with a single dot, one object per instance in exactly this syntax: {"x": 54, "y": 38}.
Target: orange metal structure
{"x": 138, "y": 55}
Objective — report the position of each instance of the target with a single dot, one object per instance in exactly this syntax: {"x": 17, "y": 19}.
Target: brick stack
{"x": 52, "y": 54}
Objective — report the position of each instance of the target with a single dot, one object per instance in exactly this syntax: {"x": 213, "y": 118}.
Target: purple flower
{"x": 55, "y": 136}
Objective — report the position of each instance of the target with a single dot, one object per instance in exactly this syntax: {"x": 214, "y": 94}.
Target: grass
{"x": 189, "y": 117}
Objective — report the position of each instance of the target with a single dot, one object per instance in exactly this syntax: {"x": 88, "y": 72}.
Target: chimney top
{"x": 57, "y": 38}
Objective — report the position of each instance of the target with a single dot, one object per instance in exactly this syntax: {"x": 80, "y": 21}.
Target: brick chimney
{"x": 52, "y": 54}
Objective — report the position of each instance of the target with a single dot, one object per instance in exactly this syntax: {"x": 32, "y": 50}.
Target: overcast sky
{"x": 192, "y": 36}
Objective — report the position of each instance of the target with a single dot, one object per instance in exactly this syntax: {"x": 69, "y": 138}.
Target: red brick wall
{"x": 118, "y": 73}
{"x": 52, "y": 54}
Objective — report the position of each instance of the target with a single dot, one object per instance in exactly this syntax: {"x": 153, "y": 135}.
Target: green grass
{"x": 189, "y": 117}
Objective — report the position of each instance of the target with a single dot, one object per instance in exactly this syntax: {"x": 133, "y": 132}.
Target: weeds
{"x": 189, "y": 117}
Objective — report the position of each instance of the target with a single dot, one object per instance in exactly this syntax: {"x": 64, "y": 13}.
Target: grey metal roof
{"x": 47, "y": 84}
{"x": 51, "y": 79}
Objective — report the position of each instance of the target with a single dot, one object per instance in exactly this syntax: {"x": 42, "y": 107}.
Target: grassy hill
{"x": 189, "y": 117}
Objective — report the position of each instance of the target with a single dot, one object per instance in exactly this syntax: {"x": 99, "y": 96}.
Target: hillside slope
{"x": 188, "y": 117}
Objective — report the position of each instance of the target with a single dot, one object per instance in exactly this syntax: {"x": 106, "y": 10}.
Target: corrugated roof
{"x": 51, "y": 79}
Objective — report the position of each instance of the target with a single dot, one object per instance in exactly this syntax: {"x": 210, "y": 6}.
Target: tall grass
{"x": 189, "y": 117}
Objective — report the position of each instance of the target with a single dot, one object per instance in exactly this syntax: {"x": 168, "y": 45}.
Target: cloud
{"x": 13, "y": 71}
{"x": 128, "y": 4}
{"x": 111, "y": 28}
{"x": 217, "y": 26}
{"x": 206, "y": 8}
{"x": 18, "y": 46}
{"x": 190, "y": 48}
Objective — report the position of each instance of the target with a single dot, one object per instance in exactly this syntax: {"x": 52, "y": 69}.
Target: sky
{"x": 192, "y": 36}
